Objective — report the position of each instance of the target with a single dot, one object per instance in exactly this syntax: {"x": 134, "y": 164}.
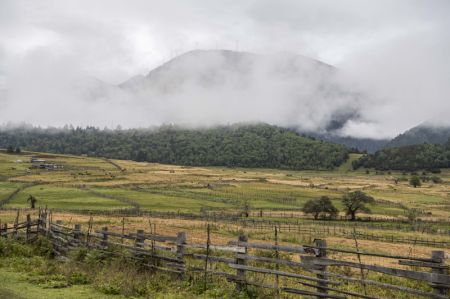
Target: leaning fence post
{"x": 181, "y": 241}
{"x": 240, "y": 273}
{"x": 322, "y": 287}
{"x": 438, "y": 258}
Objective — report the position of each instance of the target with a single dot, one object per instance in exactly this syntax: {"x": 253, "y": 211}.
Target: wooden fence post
{"x": 77, "y": 234}
{"x": 104, "y": 242}
{"x": 16, "y": 223}
{"x": 240, "y": 273}
{"x": 139, "y": 243}
{"x": 140, "y": 238}
{"x": 27, "y": 233}
{"x": 438, "y": 257}
{"x": 57, "y": 229}
{"x": 38, "y": 222}
{"x": 5, "y": 230}
{"x": 181, "y": 241}
{"x": 48, "y": 223}
{"x": 208, "y": 243}
{"x": 321, "y": 286}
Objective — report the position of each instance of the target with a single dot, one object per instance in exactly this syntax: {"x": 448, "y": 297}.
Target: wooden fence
{"x": 316, "y": 270}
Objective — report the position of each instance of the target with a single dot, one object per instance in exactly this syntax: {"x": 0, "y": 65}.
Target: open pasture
{"x": 81, "y": 182}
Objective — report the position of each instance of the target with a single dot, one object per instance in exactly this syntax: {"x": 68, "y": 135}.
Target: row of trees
{"x": 259, "y": 145}
{"x": 353, "y": 203}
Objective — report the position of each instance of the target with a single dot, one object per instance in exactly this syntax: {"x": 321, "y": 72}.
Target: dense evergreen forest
{"x": 412, "y": 157}
{"x": 257, "y": 145}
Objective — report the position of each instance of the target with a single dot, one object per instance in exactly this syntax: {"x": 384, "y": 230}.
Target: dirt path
{"x": 113, "y": 164}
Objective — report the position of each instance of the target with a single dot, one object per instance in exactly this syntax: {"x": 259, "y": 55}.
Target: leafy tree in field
{"x": 355, "y": 202}
{"x": 415, "y": 181}
{"x": 17, "y": 150}
{"x": 320, "y": 207}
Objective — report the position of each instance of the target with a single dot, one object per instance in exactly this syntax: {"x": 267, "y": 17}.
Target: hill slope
{"x": 239, "y": 145}
{"x": 422, "y": 134}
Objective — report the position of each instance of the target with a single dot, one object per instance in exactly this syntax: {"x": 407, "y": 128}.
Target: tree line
{"x": 258, "y": 145}
{"x": 409, "y": 158}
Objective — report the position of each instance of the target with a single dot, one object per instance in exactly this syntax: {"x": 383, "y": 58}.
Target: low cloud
{"x": 61, "y": 62}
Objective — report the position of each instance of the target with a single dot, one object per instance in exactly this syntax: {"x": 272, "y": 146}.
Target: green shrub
{"x": 43, "y": 247}
{"x": 79, "y": 254}
{"x": 109, "y": 288}
{"x": 78, "y": 278}
{"x": 9, "y": 247}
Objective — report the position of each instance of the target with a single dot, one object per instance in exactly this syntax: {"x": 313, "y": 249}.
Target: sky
{"x": 393, "y": 52}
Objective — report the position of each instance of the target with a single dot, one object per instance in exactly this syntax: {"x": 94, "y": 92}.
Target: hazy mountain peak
{"x": 223, "y": 86}
{"x": 426, "y": 132}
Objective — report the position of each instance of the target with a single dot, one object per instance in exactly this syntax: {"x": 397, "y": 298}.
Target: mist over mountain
{"x": 203, "y": 88}
{"x": 208, "y": 87}
{"x": 361, "y": 144}
{"x": 196, "y": 89}
{"x": 424, "y": 133}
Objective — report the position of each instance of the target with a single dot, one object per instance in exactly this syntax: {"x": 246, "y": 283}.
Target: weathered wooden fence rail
{"x": 315, "y": 270}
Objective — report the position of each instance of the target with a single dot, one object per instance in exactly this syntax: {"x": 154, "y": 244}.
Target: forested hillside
{"x": 412, "y": 157}
{"x": 422, "y": 134}
{"x": 238, "y": 145}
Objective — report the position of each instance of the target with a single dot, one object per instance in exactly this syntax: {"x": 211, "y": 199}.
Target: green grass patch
{"x": 65, "y": 198}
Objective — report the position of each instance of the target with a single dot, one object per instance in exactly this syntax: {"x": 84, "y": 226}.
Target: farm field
{"x": 126, "y": 196}
{"x": 93, "y": 183}
{"x": 89, "y": 185}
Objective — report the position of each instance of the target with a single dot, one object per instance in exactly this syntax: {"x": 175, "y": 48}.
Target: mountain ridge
{"x": 423, "y": 133}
